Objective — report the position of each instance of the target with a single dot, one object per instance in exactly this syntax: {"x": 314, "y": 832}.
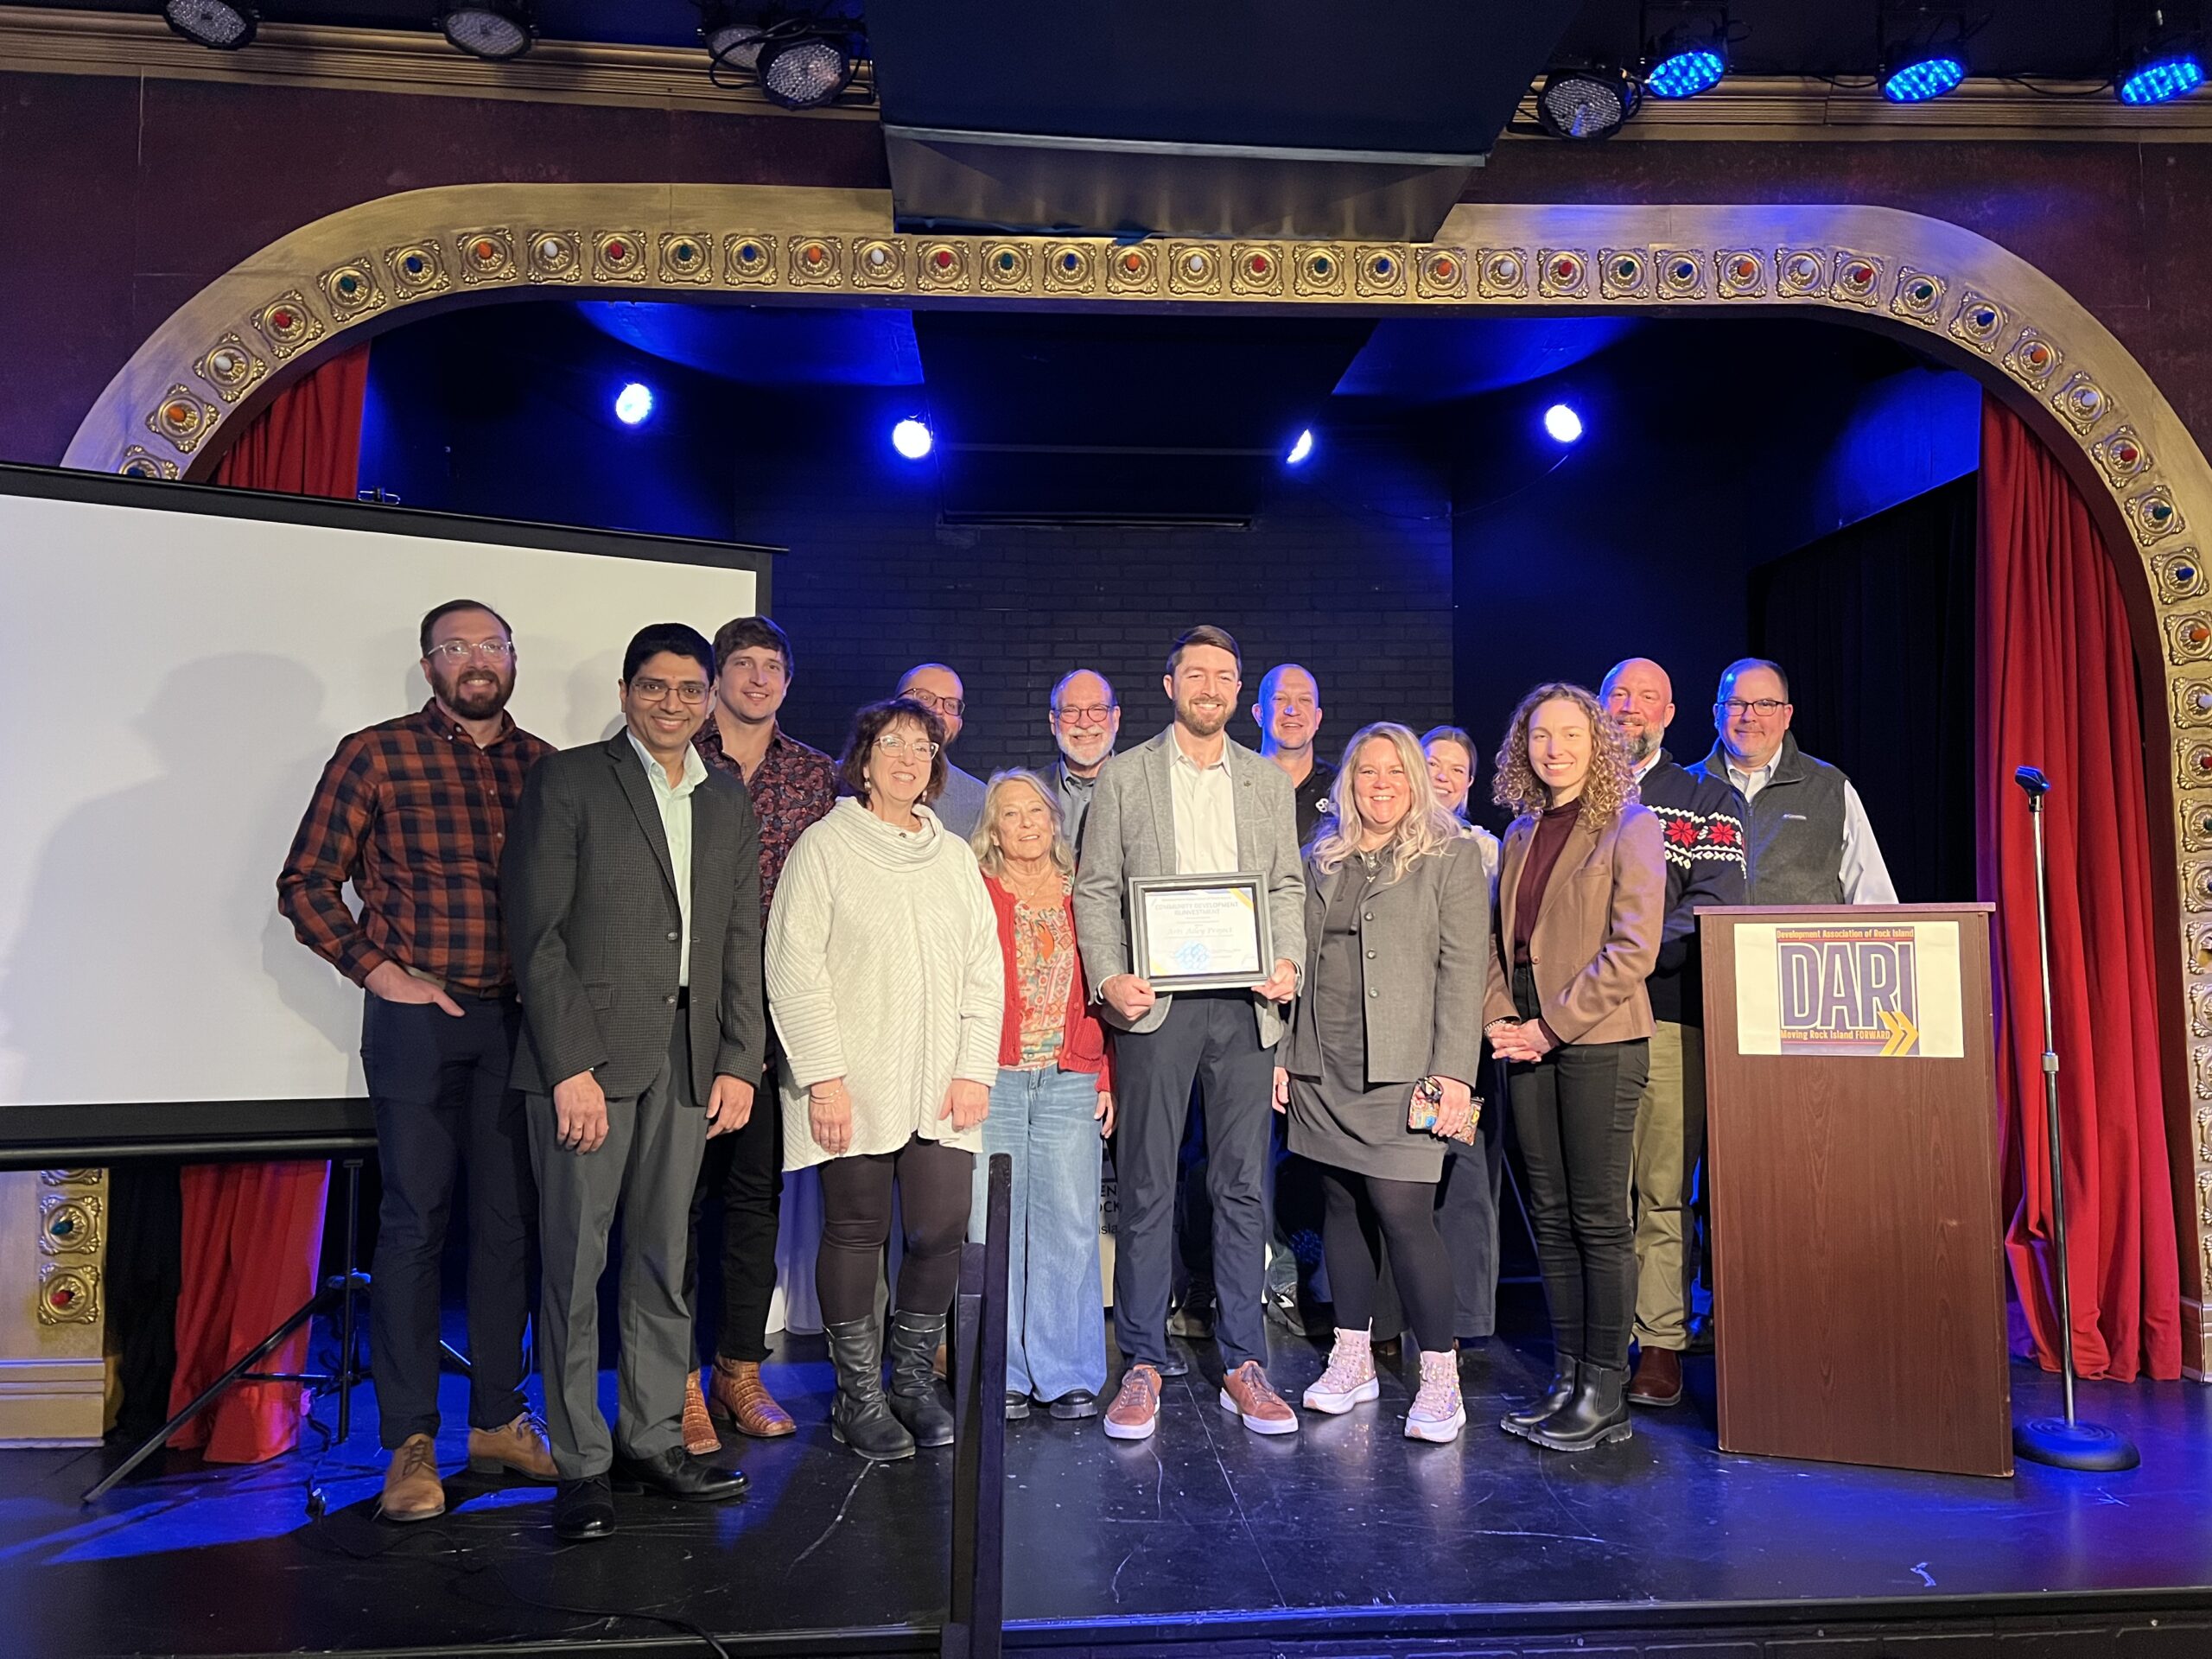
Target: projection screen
{"x": 176, "y": 664}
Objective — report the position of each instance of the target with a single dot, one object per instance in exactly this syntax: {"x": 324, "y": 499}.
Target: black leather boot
{"x": 915, "y": 1338}
{"x": 1523, "y": 1422}
{"x": 859, "y": 1417}
{"x": 1596, "y": 1415}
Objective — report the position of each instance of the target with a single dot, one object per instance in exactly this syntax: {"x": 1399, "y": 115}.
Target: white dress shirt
{"x": 675, "y": 803}
{"x": 1865, "y": 877}
{"x": 1204, "y": 802}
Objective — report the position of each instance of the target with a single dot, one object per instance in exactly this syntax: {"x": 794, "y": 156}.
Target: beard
{"x": 1201, "y": 723}
{"x": 474, "y": 693}
{"x": 1645, "y": 743}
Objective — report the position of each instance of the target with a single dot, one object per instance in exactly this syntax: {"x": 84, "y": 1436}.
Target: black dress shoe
{"x": 1176, "y": 1364}
{"x": 677, "y": 1473}
{"x": 583, "y": 1508}
{"x": 1074, "y": 1405}
{"x": 1017, "y": 1406}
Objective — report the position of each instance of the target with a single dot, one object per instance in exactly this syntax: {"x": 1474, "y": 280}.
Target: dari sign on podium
{"x": 1885, "y": 990}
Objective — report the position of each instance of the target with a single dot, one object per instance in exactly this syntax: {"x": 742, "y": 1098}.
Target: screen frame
{"x": 35, "y": 1136}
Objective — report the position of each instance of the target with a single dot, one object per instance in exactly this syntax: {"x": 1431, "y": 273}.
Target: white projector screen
{"x": 173, "y": 681}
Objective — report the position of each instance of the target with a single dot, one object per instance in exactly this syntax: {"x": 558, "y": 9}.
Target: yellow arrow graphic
{"x": 1902, "y": 1035}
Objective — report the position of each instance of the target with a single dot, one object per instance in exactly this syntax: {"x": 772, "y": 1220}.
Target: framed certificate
{"x": 1199, "y": 932}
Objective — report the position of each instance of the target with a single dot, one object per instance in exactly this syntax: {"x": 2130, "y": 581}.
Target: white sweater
{"x": 885, "y": 969}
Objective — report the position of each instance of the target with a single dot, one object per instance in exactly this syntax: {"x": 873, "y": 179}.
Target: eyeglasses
{"x": 693, "y": 692}
{"x": 459, "y": 651}
{"x": 1763, "y": 707}
{"x": 931, "y": 700}
{"x": 1088, "y": 714}
{"x": 895, "y": 743}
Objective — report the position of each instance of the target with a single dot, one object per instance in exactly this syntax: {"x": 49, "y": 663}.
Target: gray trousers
{"x": 646, "y": 1167}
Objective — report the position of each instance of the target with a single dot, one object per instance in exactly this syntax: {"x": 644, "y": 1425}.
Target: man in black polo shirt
{"x": 1289, "y": 715}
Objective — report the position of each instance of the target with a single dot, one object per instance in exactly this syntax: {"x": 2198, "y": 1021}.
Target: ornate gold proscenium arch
{"x": 1959, "y": 296}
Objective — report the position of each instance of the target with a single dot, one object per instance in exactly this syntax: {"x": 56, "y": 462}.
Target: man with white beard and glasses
{"x": 1085, "y": 719}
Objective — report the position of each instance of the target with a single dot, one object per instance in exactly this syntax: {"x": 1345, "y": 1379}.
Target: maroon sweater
{"x": 1544, "y": 848}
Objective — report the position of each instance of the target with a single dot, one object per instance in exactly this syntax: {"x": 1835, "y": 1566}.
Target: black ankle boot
{"x": 1596, "y": 1415}
{"x": 859, "y": 1416}
{"x": 1523, "y": 1422}
{"x": 915, "y": 1338}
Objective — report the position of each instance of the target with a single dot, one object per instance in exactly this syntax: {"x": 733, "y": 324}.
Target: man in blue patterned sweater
{"x": 1702, "y": 820}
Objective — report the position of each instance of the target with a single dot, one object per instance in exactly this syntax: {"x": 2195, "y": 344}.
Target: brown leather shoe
{"x": 412, "y": 1490}
{"x": 701, "y": 1438}
{"x": 1246, "y": 1392}
{"x": 520, "y": 1448}
{"x": 1658, "y": 1380}
{"x": 1136, "y": 1410}
{"x": 739, "y": 1396}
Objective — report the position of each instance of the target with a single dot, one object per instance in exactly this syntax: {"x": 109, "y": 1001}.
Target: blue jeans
{"x": 1056, "y": 1316}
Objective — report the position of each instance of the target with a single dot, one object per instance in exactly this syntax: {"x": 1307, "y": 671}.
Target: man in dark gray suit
{"x": 1189, "y": 803}
{"x": 632, "y": 887}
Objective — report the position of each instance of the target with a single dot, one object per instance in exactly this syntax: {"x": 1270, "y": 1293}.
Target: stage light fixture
{"x": 1916, "y": 77}
{"x": 731, "y": 42}
{"x": 495, "y": 31}
{"x": 1586, "y": 103}
{"x": 1691, "y": 57}
{"x": 804, "y": 72}
{"x": 215, "y": 24}
{"x": 1300, "y": 450}
{"x": 633, "y": 404}
{"x": 912, "y": 438}
{"x": 2166, "y": 64}
{"x": 1564, "y": 425}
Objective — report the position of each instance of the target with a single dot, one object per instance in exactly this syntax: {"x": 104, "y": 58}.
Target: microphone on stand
{"x": 2065, "y": 1443}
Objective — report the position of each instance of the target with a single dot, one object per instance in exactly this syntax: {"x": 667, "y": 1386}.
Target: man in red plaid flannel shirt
{"x": 413, "y": 813}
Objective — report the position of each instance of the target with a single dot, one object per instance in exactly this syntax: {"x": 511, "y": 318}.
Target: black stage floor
{"x": 1344, "y": 1538}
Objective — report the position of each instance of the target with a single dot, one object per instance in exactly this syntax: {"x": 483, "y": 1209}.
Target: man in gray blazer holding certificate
{"x": 1191, "y": 803}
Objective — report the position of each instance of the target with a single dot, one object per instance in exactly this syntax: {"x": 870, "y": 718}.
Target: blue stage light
{"x": 912, "y": 438}
{"x": 1921, "y": 79}
{"x": 1563, "y": 423}
{"x": 2162, "y": 78}
{"x": 1300, "y": 450}
{"x": 633, "y": 402}
{"x": 1686, "y": 71}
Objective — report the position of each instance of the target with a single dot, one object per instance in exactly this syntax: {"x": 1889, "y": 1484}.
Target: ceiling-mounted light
{"x": 1923, "y": 52}
{"x": 1586, "y": 103}
{"x": 1688, "y": 58}
{"x": 733, "y": 42}
{"x": 496, "y": 30}
{"x": 215, "y": 24}
{"x": 1914, "y": 78}
{"x": 2165, "y": 64}
{"x": 804, "y": 72}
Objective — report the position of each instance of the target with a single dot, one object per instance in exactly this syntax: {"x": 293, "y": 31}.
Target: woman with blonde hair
{"x": 1581, "y": 891}
{"x": 1378, "y": 1066}
{"x": 1053, "y": 1104}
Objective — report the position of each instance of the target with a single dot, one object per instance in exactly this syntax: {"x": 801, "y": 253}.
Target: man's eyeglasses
{"x": 1088, "y": 713}
{"x": 459, "y": 651}
{"x": 1764, "y": 708}
{"x": 692, "y": 692}
{"x": 931, "y": 700}
{"x": 897, "y": 743}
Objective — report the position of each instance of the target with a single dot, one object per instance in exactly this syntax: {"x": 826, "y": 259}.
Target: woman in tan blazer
{"x": 1581, "y": 891}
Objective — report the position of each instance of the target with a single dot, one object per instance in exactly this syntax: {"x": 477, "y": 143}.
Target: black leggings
{"x": 935, "y": 1183}
{"x": 1361, "y": 1212}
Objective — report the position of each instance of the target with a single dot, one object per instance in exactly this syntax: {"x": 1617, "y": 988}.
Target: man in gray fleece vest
{"x": 1809, "y": 842}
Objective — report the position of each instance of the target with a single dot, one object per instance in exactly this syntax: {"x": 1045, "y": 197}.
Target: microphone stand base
{"x": 2063, "y": 1445}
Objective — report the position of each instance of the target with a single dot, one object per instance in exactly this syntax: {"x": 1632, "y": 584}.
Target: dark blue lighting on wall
{"x": 2164, "y": 78}
{"x": 633, "y": 404}
{"x": 1924, "y": 79}
{"x": 1686, "y": 73}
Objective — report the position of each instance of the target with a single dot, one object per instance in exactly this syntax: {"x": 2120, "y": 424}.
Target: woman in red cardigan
{"x": 1052, "y": 1108}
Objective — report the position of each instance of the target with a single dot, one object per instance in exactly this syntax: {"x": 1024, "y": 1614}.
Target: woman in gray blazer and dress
{"x": 1581, "y": 891}
{"x": 1398, "y": 924}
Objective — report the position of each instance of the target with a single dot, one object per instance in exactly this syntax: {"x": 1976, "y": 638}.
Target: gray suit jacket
{"x": 1130, "y": 830}
{"x": 593, "y": 926}
{"x": 1424, "y": 960}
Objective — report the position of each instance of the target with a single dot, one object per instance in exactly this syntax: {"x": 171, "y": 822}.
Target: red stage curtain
{"x": 252, "y": 1236}
{"x": 2059, "y": 692}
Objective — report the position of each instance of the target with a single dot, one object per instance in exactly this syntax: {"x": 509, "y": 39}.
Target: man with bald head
{"x": 1085, "y": 719}
{"x": 1703, "y": 833}
{"x": 1289, "y": 717}
{"x": 936, "y": 688}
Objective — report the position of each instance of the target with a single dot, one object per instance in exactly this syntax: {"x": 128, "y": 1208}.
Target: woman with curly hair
{"x": 1581, "y": 891}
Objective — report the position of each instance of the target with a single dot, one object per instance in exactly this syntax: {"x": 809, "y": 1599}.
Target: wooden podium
{"x": 1858, "y": 1298}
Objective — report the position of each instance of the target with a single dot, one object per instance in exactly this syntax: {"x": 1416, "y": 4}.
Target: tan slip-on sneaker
{"x": 1246, "y": 1392}
{"x": 520, "y": 1448}
{"x": 412, "y": 1490}
{"x": 1136, "y": 1410}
